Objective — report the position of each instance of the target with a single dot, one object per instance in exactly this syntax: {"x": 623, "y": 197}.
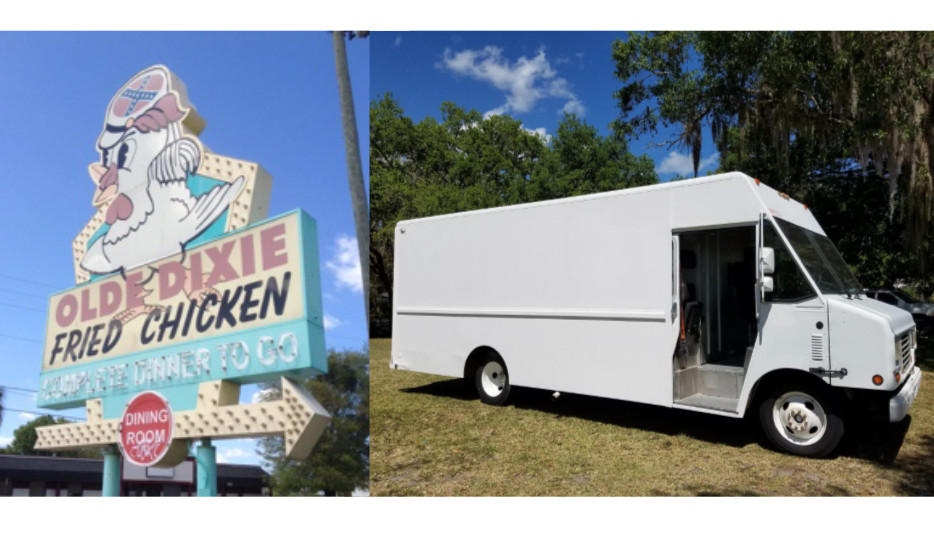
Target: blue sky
{"x": 269, "y": 98}
{"x": 532, "y": 76}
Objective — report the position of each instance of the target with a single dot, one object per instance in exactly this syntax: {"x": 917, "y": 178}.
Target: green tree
{"x": 24, "y": 440}
{"x": 468, "y": 162}
{"x": 464, "y": 162}
{"x": 804, "y": 111}
{"x": 340, "y": 461}
{"x": 583, "y": 162}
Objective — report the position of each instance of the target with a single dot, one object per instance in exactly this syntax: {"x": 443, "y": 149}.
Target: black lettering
{"x": 114, "y": 330}
{"x": 95, "y": 340}
{"x": 248, "y": 302}
{"x": 225, "y": 311}
{"x": 144, "y": 336}
{"x": 273, "y": 293}
{"x": 192, "y": 305}
{"x": 57, "y": 349}
{"x": 200, "y": 325}
{"x": 74, "y": 340}
{"x": 170, "y": 323}
{"x": 84, "y": 342}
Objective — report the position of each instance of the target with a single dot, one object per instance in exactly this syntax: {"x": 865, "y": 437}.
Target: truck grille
{"x": 906, "y": 348}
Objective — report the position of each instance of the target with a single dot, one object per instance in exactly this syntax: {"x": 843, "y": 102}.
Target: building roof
{"x": 90, "y": 469}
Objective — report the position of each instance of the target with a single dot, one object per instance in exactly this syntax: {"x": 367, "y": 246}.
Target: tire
{"x": 801, "y": 419}
{"x": 492, "y": 380}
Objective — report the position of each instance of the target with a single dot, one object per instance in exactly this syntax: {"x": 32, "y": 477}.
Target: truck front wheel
{"x": 492, "y": 380}
{"x": 802, "y": 421}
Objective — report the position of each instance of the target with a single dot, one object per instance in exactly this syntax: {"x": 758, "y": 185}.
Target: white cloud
{"x": 228, "y": 455}
{"x": 5, "y": 441}
{"x": 525, "y": 82}
{"x": 346, "y": 264}
{"x": 540, "y": 132}
{"x": 262, "y": 395}
{"x": 331, "y": 322}
{"x": 573, "y": 107}
{"x": 26, "y": 416}
{"x": 683, "y": 164}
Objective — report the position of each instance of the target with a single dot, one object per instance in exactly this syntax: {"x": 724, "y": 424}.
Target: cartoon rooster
{"x": 146, "y": 159}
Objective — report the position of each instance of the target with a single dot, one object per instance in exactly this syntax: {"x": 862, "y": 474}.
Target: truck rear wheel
{"x": 802, "y": 420}
{"x": 492, "y": 380}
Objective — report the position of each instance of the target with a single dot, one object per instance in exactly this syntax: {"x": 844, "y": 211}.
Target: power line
{"x": 24, "y": 308}
{"x": 19, "y": 338}
{"x": 21, "y": 280}
{"x": 44, "y": 413}
{"x": 21, "y": 293}
{"x": 11, "y": 388}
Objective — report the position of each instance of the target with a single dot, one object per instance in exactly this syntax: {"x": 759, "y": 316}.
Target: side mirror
{"x": 768, "y": 261}
{"x": 768, "y": 285}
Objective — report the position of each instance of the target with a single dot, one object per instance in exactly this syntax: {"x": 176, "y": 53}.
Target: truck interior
{"x": 718, "y": 314}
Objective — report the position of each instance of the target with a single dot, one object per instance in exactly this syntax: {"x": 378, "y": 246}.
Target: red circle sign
{"x": 146, "y": 429}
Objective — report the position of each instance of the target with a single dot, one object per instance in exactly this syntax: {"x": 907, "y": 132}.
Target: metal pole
{"x": 207, "y": 469}
{"x": 110, "y": 487}
{"x": 354, "y": 167}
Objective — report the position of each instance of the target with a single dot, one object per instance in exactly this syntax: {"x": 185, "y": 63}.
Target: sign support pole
{"x": 207, "y": 469}
{"x": 111, "y": 484}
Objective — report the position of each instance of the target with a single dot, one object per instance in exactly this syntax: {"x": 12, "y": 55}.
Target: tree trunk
{"x": 354, "y": 167}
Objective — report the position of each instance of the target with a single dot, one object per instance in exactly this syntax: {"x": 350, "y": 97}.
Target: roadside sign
{"x": 186, "y": 291}
{"x": 146, "y": 429}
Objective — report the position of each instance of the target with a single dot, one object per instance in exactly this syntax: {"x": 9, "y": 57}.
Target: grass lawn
{"x": 431, "y": 435}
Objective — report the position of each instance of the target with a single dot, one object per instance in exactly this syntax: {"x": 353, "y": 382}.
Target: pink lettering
{"x": 220, "y": 257}
{"x": 171, "y": 279}
{"x": 134, "y": 291}
{"x": 87, "y": 312}
{"x": 110, "y": 295}
{"x": 197, "y": 278}
{"x": 66, "y": 310}
{"x": 247, "y": 259}
{"x": 272, "y": 241}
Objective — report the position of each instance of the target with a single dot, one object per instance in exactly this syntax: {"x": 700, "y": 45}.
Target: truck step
{"x": 719, "y": 381}
{"x": 709, "y": 402}
{"x": 722, "y": 369}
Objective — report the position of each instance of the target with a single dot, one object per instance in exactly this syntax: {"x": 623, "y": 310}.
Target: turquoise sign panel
{"x": 244, "y": 307}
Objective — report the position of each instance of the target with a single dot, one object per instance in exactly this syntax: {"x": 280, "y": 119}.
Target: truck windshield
{"x": 906, "y": 298}
{"x": 821, "y": 260}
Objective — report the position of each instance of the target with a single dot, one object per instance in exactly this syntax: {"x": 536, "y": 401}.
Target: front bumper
{"x": 905, "y": 397}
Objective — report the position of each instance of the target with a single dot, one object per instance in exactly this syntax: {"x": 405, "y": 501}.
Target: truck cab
{"x": 790, "y": 334}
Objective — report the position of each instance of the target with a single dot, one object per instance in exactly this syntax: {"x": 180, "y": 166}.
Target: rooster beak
{"x": 104, "y": 192}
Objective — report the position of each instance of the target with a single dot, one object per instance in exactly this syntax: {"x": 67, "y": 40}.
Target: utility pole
{"x": 354, "y": 168}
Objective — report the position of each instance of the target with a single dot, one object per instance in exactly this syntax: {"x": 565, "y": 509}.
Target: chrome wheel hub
{"x": 800, "y": 418}
{"x": 493, "y": 379}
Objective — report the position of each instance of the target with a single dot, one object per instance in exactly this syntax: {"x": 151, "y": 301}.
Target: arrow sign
{"x": 297, "y": 416}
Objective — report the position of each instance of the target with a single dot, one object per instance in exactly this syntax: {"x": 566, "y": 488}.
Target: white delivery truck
{"x": 718, "y": 295}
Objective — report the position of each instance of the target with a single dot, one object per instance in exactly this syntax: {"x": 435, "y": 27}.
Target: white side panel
{"x": 575, "y": 296}
{"x": 714, "y": 203}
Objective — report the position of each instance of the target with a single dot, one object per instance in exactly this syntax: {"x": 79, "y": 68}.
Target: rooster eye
{"x": 121, "y": 156}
